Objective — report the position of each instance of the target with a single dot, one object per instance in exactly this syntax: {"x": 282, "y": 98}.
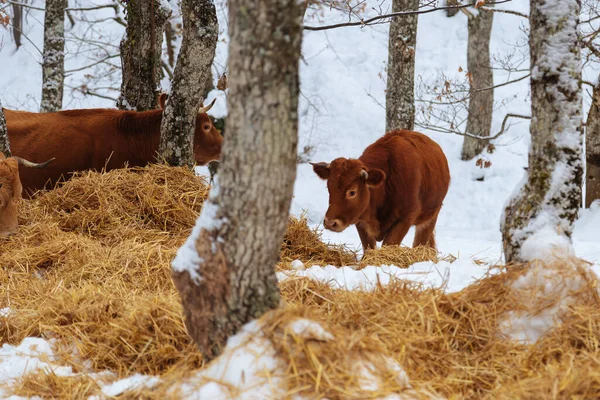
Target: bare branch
{"x": 511, "y": 12}
{"x": 486, "y": 138}
{"x": 374, "y": 20}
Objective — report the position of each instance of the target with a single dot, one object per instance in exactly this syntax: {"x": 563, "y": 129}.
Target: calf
{"x": 399, "y": 181}
{"x": 10, "y": 191}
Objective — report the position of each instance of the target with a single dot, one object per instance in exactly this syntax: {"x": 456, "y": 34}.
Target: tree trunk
{"x": 140, "y": 54}
{"x": 592, "y": 149}
{"x": 17, "y": 23}
{"x": 225, "y": 272}
{"x": 4, "y": 142}
{"x": 451, "y": 12}
{"x": 481, "y": 102}
{"x": 192, "y": 74}
{"x": 53, "y": 67}
{"x": 400, "y": 96}
{"x": 549, "y": 198}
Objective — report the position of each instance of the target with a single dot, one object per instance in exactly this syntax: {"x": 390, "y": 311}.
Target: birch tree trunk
{"x": 4, "y": 142}
{"x": 191, "y": 78}
{"x": 400, "y": 97}
{"x": 544, "y": 209}
{"x": 53, "y": 66}
{"x": 225, "y": 272}
{"x": 592, "y": 149}
{"x": 140, "y": 54}
{"x": 481, "y": 102}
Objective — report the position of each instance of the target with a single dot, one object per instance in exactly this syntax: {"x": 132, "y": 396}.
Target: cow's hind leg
{"x": 425, "y": 233}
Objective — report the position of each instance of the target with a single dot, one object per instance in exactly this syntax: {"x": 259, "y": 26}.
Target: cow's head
{"x": 349, "y": 182}
{"x": 207, "y": 139}
{"x": 10, "y": 191}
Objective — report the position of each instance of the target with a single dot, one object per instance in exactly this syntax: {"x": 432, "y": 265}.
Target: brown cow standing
{"x": 10, "y": 191}
{"x": 95, "y": 139}
{"x": 399, "y": 181}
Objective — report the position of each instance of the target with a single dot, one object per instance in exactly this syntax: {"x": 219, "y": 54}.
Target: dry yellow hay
{"x": 400, "y": 256}
{"x": 302, "y": 242}
{"x": 48, "y": 385}
{"x": 96, "y": 277}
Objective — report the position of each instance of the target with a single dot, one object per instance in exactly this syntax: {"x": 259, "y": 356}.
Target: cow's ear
{"x": 162, "y": 99}
{"x": 375, "y": 177}
{"x": 321, "y": 169}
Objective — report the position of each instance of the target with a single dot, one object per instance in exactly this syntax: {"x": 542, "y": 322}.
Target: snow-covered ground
{"x": 341, "y": 113}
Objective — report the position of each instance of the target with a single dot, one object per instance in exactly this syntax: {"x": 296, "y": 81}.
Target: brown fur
{"x": 94, "y": 139}
{"x": 408, "y": 178}
{"x": 10, "y": 195}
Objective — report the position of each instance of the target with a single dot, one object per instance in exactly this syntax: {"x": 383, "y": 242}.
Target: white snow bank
{"x": 452, "y": 277}
{"x": 546, "y": 290}
{"x": 546, "y": 244}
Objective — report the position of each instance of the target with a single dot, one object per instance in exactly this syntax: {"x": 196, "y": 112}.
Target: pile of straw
{"x": 399, "y": 256}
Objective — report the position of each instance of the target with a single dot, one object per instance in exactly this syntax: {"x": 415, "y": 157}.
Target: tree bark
{"x": 592, "y": 149}
{"x": 400, "y": 96}
{"x": 53, "y": 66}
{"x": 140, "y": 54}
{"x": 190, "y": 81}
{"x": 451, "y": 12}
{"x": 4, "y": 142}
{"x": 481, "y": 102}
{"x": 550, "y": 195}
{"x": 17, "y": 23}
{"x": 225, "y": 272}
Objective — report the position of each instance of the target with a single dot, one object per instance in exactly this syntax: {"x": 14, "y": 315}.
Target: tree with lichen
{"x": 191, "y": 78}
{"x": 543, "y": 210}
{"x": 53, "y": 65}
{"x": 225, "y": 273}
{"x": 400, "y": 97}
{"x": 140, "y": 54}
{"x": 481, "y": 80}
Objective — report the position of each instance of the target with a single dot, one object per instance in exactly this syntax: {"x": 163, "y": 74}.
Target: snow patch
{"x": 546, "y": 291}
{"x": 133, "y": 382}
{"x": 247, "y": 368}
{"x": 546, "y": 244}
{"x": 452, "y": 277}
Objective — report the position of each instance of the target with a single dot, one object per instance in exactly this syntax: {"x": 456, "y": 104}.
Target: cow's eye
{"x": 206, "y": 127}
{"x": 351, "y": 193}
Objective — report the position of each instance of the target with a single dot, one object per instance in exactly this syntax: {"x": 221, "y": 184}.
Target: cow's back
{"x": 417, "y": 174}
{"x": 79, "y": 140}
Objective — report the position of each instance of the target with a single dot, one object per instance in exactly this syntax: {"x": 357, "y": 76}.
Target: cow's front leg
{"x": 397, "y": 232}
{"x": 368, "y": 241}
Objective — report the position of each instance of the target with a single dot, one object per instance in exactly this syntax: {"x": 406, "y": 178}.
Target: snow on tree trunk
{"x": 53, "y": 66}
{"x": 400, "y": 97}
{"x": 225, "y": 271}
{"x": 592, "y": 148}
{"x": 541, "y": 213}
{"x": 192, "y": 75}
{"x": 4, "y": 142}
{"x": 140, "y": 54}
{"x": 481, "y": 102}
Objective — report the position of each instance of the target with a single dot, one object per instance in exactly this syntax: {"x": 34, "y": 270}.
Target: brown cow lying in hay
{"x": 10, "y": 191}
{"x": 399, "y": 181}
{"x": 96, "y": 139}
